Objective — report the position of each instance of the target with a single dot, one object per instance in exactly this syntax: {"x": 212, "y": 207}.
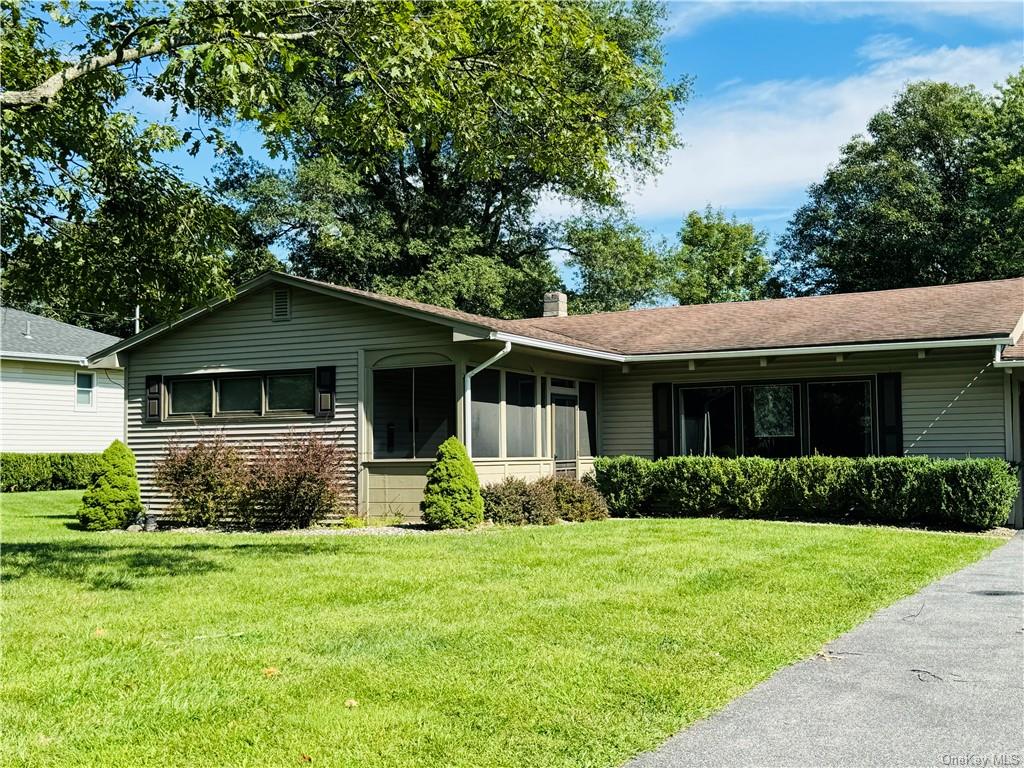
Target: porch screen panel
{"x": 392, "y": 414}
{"x": 433, "y": 408}
{"x": 588, "y": 418}
{"x": 520, "y": 414}
{"x": 486, "y": 403}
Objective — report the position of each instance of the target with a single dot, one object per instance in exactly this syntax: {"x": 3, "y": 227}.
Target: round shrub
{"x": 205, "y": 481}
{"x": 451, "y": 498}
{"x": 543, "y": 506}
{"x": 112, "y": 499}
{"x": 507, "y": 502}
{"x": 625, "y": 482}
{"x": 578, "y": 501}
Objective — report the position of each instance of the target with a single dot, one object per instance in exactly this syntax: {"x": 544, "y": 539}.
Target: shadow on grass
{"x": 117, "y": 566}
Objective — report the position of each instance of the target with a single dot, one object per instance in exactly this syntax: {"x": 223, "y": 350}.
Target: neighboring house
{"x": 51, "y": 399}
{"x": 914, "y": 371}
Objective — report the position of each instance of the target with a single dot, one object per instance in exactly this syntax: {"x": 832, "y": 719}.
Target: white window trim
{"x": 92, "y": 390}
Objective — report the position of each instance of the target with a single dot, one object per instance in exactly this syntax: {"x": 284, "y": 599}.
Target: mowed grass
{"x": 574, "y": 645}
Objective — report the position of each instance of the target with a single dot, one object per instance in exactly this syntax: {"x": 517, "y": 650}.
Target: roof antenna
{"x": 28, "y": 329}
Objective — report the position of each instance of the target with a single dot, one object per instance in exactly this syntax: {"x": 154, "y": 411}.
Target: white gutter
{"x": 40, "y": 356}
{"x": 830, "y": 349}
{"x": 467, "y": 397}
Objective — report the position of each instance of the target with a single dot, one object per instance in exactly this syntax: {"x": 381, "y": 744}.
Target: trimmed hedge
{"x": 47, "y": 471}
{"x": 972, "y": 494}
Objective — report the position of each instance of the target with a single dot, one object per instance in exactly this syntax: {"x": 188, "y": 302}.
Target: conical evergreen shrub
{"x": 112, "y": 498}
{"x": 452, "y": 497}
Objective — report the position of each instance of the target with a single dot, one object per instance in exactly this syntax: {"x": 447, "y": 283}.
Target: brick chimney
{"x": 556, "y": 304}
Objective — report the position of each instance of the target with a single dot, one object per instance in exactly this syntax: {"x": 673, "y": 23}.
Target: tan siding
{"x": 938, "y": 419}
{"x": 242, "y": 337}
{"x": 38, "y": 412}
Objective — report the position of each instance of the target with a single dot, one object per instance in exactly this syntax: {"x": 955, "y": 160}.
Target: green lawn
{"x": 575, "y": 645}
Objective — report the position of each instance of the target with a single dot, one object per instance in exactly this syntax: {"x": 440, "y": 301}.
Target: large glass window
{"x": 191, "y": 397}
{"x": 588, "y": 418}
{"x": 291, "y": 392}
{"x": 413, "y": 411}
{"x": 771, "y": 426}
{"x": 240, "y": 395}
{"x": 708, "y": 416}
{"x": 486, "y": 390}
{"x": 839, "y": 418}
{"x": 520, "y": 414}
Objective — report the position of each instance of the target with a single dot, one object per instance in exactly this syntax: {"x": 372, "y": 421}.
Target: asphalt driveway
{"x": 935, "y": 680}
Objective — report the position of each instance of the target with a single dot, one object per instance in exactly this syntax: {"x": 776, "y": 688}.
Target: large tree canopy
{"x": 445, "y": 120}
{"x": 934, "y": 193}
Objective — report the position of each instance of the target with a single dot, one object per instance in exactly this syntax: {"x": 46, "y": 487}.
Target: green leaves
{"x": 932, "y": 195}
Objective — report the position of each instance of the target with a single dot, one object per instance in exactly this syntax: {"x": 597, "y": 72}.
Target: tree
{"x": 934, "y": 193}
{"x": 719, "y": 259}
{"x": 618, "y": 266}
{"x": 437, "y": 108}
{"x": 451, "y": 498}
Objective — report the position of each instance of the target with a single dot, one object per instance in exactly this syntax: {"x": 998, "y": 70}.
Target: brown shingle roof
{"x": 1016, "y": 352}
{"x": 967, "y": 310}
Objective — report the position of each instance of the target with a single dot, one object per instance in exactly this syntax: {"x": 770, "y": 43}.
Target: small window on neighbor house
{"x": 191, "y": 396}
{"x": 85, "y": 383}
{"x": 282, "y": 304}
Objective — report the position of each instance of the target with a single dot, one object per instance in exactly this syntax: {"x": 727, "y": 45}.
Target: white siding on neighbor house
{"x": 940, "y": 417}
{"x": 241, "y": 336}
{"x": 38, "y": 411}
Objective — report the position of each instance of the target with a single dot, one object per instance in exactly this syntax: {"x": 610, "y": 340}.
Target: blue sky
{"x": 779, "y": 87}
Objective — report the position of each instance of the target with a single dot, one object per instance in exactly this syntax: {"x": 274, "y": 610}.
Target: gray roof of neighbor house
{"x": 982, "y": 312}
{"x": 27, "y": 336}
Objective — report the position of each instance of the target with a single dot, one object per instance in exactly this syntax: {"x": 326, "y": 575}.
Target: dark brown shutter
{"x": 154, "y": 398}
{"x": 325, "y": 391}
{"x": 890, "y": 414}
{"x": 664, "y": 442}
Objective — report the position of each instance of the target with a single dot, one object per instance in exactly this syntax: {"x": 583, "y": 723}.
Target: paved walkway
{"x": 935, "y": 680}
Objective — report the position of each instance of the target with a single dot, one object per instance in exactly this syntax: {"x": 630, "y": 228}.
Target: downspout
{"x": 467, "y": 396}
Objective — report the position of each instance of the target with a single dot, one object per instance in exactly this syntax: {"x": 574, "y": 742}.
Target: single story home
{"x": 919, "y": 371}
{"x": 51, "y": 399}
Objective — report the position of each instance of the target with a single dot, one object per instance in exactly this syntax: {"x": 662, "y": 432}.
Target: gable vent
{"x": 282, "y": 304}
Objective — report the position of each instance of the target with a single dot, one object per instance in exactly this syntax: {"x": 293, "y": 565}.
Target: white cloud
{"x": 687, "y": 17}
{"x": 760, "y": 145}
{"x": 886, "y": 46}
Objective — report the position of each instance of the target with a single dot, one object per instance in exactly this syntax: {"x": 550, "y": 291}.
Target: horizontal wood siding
{"x": 241, "y": 336}
{"x": 39, "y": 415}
{"x": 939, "y": 419}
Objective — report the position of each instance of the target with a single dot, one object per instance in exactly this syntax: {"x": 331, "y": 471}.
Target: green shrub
{"x": 205, "y": 481}
{"x": 578, "y": 501}
{"x": 46, "y": 471}
{"x": 507, "y": 502}
{"x": 451, "y": 498}
{"x": 961, "y": 493}
{"x": 297, "y": 483}
{"x": 975, "y": 494}
{"x": 625, "y": 482}
{"x": 542, "y": 508}
{"x": 112, "y": 499}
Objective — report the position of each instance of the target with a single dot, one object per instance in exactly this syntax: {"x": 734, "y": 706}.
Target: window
{"x": 85, "y": 385}
{"x": 413, "y": 411}
{"x": 588, "y": 418}
{"x": 281, "y": 393}
{"x": 291, "y": 392}
{"x": 520, "y": 414}
{"x": 839, "y": 418}
{"x": 242, "y": 395}
{"x": 486, "y": 393}
{"x": 191, "y": 397}
{"x": 770, "y": 420}
{"x": 708, "y": 416}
